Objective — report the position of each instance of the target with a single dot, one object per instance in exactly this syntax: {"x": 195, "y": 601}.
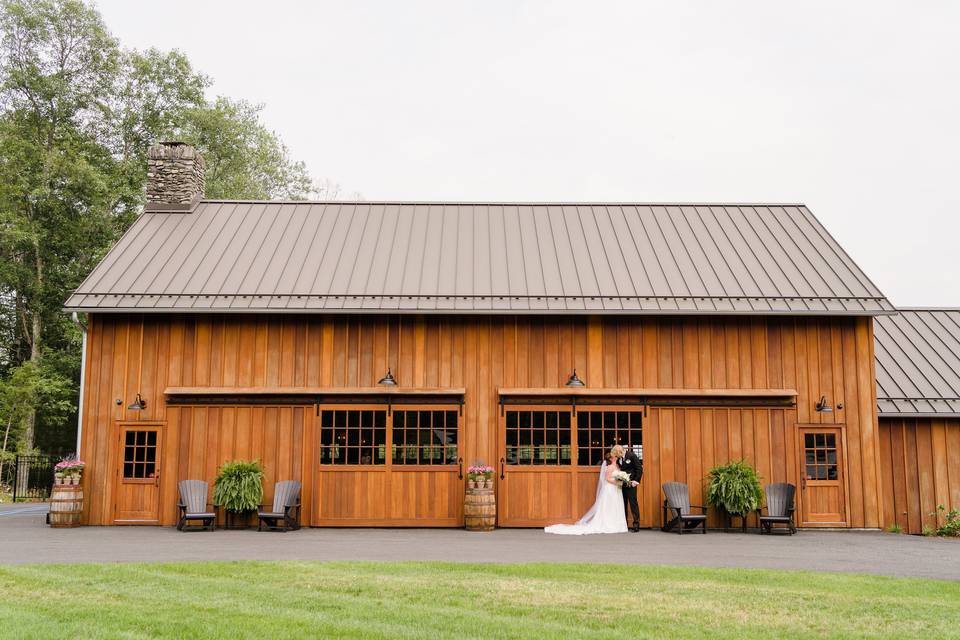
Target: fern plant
{"x": 734, "y": 487}
{"x": 239, "y": 485}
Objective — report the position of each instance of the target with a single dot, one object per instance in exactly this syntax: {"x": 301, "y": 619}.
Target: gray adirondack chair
{"x": 678, "y": 512}
{"x": 285, "y": 508}
{"x": 193, "y": 506}
{"x": 779, "y": 507}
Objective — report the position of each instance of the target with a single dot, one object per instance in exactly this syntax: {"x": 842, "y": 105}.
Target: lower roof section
{"x": 918, "y": 363}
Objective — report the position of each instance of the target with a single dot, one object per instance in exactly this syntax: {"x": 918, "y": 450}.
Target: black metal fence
{"x": 32, "y": 477}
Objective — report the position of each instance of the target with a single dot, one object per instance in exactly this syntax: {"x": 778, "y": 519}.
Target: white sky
{"x": 852, "y": 108}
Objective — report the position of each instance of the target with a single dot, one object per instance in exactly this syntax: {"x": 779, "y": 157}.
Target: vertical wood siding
{"x": 146, "y": 354}
{"x": 921, "y": 469}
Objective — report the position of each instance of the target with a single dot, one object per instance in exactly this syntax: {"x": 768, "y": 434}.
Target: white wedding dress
{"x": 605, "y": 516}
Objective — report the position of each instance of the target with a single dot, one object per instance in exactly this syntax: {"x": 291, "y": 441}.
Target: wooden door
{"x": 380, "y": 466}
{"x": 139, "y": 456}
{"x": 550, "y": 459}
{"x": 822, "y": 480}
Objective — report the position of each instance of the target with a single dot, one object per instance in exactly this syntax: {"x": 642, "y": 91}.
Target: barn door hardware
{"x": 573, "y": 404}
{"x": 502, "y": 461}
{"x": 460, "y": 473}
{"x": 461, "y": 406}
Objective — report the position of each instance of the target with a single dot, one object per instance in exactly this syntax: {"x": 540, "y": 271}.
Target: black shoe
{"x": 635, "y": 528}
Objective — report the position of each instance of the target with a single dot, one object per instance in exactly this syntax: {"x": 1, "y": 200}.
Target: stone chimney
{"x": 174, "y": 177}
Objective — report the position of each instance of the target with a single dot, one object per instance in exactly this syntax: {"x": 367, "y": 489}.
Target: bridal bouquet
{"x": 622, "y": 476}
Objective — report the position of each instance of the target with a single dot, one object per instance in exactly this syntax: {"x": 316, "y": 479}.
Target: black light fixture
{"x": 575, "y": 381}
{"x": 388, "y": 379}
{"x": 823, "y": 406}
{"x": 138, "y": 405}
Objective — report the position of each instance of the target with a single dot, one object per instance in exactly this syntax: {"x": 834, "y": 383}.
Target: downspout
{"x": 83, "y": 377}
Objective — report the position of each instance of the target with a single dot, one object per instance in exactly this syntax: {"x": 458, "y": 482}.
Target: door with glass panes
{"x": 137, "y": 493}
{"x": 388, "y": 466}
{"x": 550, "y": 459}
{"x": 822, "y": 489}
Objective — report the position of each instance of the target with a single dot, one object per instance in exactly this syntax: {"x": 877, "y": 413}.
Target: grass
{"x": 440, "y": 600}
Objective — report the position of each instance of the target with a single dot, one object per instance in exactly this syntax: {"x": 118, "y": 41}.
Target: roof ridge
{"x": 509, "y": 203}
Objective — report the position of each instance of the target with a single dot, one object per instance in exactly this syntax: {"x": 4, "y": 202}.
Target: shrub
{"x": 951, "y": 523}
{"x": 734, "y": 487}
{"x": 895, "y": 528}
{"x": 239, "y": 485}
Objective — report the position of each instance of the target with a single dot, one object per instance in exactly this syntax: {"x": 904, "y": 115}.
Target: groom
{"x": 632, "y": 464}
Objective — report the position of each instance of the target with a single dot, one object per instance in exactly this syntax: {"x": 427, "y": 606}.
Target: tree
{"x": 244, "y": 160}
{"x": 77, "y": 115}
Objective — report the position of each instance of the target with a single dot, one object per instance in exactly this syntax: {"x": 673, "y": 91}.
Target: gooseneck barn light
{"x": 137, "y": 405}
{"x": 575, "y": 381}
{"x": 388, "y": 380}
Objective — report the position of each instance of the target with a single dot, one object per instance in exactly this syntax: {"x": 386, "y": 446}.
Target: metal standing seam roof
{"x": 235, "y": 256}
{"x": 918, "y": 363}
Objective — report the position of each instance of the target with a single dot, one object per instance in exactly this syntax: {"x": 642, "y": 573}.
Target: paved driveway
{"x": 24, "y": 538}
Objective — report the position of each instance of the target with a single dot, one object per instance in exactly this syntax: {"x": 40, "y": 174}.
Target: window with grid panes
{"x": 597, "y": 431}
{"x": 820, "y": 456}
{"x": 353, "y": 436}
{"x": 424, "y": 437}
{"x": 538, "y": 437}
{"x": 139, "y": 455}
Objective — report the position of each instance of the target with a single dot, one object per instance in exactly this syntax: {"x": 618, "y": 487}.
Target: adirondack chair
{"x": 285, "y": 508}
{"x": 193, "y": 505}
{"x": 779, "y": 507}
{"x": 678, "y": 512}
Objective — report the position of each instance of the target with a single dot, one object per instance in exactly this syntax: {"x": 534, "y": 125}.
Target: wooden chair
{"x": 677, "y": 510}
{"x": 779, "y": 507}
{"x": 193, "y": 505}
{"x": 285, "y": 508}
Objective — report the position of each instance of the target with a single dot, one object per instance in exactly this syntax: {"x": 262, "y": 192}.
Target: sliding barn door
{"x": 550, "y": 460}
{"x": 380, "y": 466}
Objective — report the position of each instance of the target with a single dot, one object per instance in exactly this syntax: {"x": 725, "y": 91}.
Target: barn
{"x": 918, "y": 391}
{"x": 373, "y": 350}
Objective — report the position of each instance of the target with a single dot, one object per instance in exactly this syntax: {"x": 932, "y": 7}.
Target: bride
{"x": 607, "y": 514}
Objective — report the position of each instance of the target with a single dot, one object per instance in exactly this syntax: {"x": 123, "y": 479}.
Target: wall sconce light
{"x": 823, "y": 406}
{"x": 388, "y": 380}
{"x": 575, "y": 381}
{"x": 138, "y": 405}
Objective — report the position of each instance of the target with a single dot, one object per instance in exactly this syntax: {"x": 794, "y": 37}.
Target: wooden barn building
{"x": 703, "y": 333}
{"x": 918, "y": 394}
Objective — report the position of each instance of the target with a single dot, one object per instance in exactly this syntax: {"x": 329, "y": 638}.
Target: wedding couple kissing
{"x": 620, "y": 475}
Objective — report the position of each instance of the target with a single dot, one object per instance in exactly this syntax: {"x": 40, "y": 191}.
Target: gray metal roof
{"x": 918, "y": 363}
{"x": 480, "y": 257}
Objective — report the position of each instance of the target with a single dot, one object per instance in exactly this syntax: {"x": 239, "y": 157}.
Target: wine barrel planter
{"x": 480, "y": 510}
{"x": 66, "y": 505}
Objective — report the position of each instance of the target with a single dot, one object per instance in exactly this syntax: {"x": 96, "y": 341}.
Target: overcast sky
{"x": 852, "y": 108}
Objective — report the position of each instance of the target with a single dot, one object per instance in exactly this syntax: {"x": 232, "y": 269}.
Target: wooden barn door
{"x": 822, "y": 488}
{"x": 388, "y": 467}
{"x": 550, "y": 459}
{"x": 139, "y": 456}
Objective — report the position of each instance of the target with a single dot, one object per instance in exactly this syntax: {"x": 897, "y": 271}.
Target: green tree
{"x": 77, "y": 115}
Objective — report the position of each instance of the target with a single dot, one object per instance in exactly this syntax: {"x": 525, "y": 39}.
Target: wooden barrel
{"x": 66, "y": 505}
{"x": 480, "y": 510}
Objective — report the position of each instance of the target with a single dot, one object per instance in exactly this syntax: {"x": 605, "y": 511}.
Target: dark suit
{"x": 633, "y": 465}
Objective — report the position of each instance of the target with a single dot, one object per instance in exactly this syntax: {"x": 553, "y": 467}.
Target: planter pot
{"x": 472, "y": 484}
{"x": 488, "y": 483}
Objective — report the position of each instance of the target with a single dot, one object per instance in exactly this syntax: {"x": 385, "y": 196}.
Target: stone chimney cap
{"x": 172, "y": 150}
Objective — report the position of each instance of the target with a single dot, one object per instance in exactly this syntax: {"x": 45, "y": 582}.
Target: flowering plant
{"x": 622, "y": 476}
{"x": 479, "y": 470}
{"x": 69, "y": 467}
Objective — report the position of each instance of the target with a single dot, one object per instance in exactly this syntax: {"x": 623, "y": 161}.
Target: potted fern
{"x": 238, "y": 488}
{"x": 735, "y": 489}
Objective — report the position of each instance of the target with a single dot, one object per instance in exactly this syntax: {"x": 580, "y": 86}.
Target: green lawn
{"x": 439, "y": 600}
